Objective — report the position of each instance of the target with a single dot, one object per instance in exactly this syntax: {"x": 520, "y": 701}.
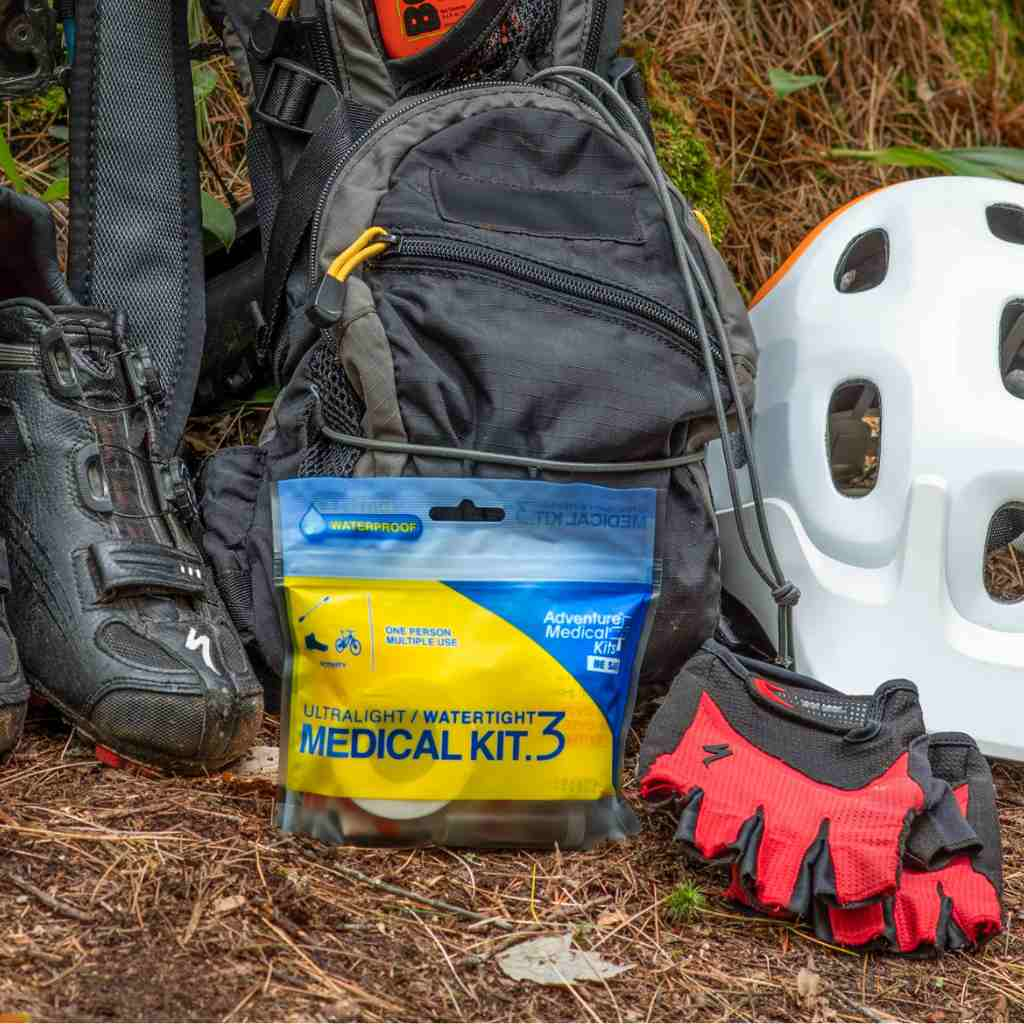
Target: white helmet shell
{"x": 910, "y": 294}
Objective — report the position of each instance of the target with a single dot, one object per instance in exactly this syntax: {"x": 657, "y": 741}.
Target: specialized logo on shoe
{"x": 772, "y": 691}
{"x": 715, "y": 752}
{"x": 201, "y": 642}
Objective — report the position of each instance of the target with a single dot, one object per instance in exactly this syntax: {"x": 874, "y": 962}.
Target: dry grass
{"x": 891, "y": 80}
{"x": 136, "y": 896}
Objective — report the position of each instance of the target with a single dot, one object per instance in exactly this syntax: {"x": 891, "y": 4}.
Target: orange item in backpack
{"x": 408, "y": 26}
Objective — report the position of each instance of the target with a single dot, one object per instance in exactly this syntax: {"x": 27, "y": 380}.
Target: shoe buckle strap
{"x": 130, "y": 566}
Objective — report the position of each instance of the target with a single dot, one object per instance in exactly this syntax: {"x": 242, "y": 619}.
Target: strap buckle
{"x": 295, "y": 98}
{"x": 143, "y": 374}
{"x": 176, "y": 484}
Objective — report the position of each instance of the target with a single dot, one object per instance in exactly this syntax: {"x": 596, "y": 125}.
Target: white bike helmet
{"x": 889, "y": 429}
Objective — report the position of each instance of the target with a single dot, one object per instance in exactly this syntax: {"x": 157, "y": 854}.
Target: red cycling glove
{"x": 809, "y": 793}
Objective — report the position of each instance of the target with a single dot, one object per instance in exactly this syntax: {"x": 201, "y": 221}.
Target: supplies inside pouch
{"x": 464, "y": 656}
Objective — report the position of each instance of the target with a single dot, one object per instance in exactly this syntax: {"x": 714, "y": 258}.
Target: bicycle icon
{"x": 348, "y": 641}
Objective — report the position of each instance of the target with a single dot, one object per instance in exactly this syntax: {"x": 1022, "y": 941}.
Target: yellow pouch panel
{"x": 445, "y": 700}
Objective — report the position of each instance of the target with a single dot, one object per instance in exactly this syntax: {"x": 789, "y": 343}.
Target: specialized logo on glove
{"x": 716, "y": 751}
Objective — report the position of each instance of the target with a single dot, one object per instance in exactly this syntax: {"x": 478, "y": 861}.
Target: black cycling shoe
{"x": 14, "y": 691}
{"x": 116, "y": 618}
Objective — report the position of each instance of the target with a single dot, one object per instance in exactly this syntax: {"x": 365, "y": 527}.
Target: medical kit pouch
{"x": 464, "y": 656}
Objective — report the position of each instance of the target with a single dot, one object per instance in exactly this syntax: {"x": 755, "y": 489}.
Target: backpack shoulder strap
{"x": 136, "y": 229}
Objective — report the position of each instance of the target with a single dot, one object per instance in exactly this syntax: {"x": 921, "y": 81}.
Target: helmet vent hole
{"x": 864, "y": 263}
{"x": 853, "y": 440}
{"x": 1003, "y": 569}
{"x": 1006, "y": 222}
{"x": 1011, "y": 347}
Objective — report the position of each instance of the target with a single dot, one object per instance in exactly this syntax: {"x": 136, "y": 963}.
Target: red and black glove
{"x": 956, "y": 906}
{"x": 809, "y": 793}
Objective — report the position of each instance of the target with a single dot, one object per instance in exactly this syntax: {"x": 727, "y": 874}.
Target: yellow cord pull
{"x": 703, "y": 222}
{"x": 326, "y": 309}
{"x": 361, "y": 250}
{"x": 280, "y": 9}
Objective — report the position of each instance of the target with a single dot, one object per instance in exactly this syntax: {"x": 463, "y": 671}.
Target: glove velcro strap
{"x": 941, "y": 834}
{"x": 122, "y": 566}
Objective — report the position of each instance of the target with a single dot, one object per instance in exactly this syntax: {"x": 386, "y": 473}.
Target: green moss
{"x": 682, "y": 152}
{"x": 968, "y": 26}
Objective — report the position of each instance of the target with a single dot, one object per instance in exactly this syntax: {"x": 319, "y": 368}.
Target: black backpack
{"x": 471, "y": 273}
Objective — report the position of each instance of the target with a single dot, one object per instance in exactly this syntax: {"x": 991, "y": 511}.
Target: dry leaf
{"x": 808, "y": 986}
{"x": 228, "y": 903}
{"x": 259, "y": 763}
{"x": 612, "y": 919}
{"x": 553, "y": 961}
{"x": 925, "y": 93}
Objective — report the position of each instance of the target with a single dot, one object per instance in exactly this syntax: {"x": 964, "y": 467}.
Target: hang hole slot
{"x": 466, "y": 512}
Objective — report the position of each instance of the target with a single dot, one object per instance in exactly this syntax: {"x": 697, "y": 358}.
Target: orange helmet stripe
{"x": 800, "y": 249}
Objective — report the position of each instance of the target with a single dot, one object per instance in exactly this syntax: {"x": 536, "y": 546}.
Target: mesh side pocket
{"x": 342, "y": 411}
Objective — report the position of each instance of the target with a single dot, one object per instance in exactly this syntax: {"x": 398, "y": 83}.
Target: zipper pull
{"x": 326, "y": 309}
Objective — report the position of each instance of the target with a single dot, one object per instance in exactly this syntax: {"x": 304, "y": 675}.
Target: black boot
{"x": 117, "y": 620}
{"x": 13, "y": 689}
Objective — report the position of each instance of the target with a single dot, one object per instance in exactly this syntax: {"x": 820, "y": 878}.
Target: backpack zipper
{"x": 593, "y": 48}
{"x": 598, "y": 292}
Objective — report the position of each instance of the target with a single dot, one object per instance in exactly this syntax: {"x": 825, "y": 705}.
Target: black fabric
{"x": 558, "y": 213}
{"x": 136, "y": 233}
{"x": 295, "y": 212}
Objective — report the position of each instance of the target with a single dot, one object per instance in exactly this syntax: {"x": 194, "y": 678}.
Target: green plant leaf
{"x": 785, "y": 83}
{"x": 204, "y": 81}
{"x": 58, "y": 131}
{"x": 10, "y": 166}
{"x": 265, "y": 396}
{"x": 963, "y": 162}
{"x": 59, "y": 188}
{"x": 218, "y": 220}
{"x": 1008, "y": 162}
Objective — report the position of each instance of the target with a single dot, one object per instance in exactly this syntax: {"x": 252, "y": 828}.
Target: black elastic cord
{"x": 498, "y": 459}
{"x": 624, "y": 125}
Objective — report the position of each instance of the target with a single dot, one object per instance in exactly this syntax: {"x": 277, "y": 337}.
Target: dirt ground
{"x": 128, "y": 896}
{"x": 134, "y": 896}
